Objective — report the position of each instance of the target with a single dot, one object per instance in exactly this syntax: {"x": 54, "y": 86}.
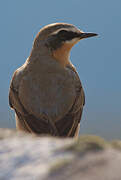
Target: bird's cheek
{"x": 70, "y": 44}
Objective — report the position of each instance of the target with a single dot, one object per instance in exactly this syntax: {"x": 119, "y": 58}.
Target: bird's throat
{"x": 62, "y": 54}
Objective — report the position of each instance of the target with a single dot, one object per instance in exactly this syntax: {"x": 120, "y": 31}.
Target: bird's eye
{"x": 62, "y": 33}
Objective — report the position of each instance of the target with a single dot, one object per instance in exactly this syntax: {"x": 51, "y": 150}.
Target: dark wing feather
{"x": 28, "y": 122}
{"x": 68, "y": 124}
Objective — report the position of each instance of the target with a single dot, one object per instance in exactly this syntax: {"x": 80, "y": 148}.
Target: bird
{"x": 46, "y": 92}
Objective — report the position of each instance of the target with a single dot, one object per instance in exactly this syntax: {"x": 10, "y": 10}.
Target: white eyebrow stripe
{"x": 55, "y": 32}
{"x": 66, "y": 29}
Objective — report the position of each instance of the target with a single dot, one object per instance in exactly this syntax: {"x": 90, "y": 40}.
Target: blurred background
{"x": 98, "y": 59}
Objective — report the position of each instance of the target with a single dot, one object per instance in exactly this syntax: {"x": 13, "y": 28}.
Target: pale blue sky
{"x": 98, "y": 59}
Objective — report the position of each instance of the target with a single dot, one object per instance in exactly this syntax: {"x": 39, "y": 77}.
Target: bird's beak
{"x": 83, "y": 35}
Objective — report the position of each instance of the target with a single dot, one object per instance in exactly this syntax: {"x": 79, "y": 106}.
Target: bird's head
{"x": 59, "y": 38}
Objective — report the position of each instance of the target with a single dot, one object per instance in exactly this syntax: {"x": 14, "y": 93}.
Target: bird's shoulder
{"x": 17, "y": 77}
{"x": 75, "y": 75}
{"x": 14, "y": 86}
{"x": 80, "y": 95}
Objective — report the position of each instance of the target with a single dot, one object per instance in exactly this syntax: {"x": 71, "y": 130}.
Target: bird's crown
{"x": 55, "y": 28}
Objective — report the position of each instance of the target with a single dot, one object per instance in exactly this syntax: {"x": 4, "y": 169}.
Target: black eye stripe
{"x": 67, "y": 35}
{"x": 56, "y": 40}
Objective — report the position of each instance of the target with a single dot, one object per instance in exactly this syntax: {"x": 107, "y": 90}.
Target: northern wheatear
{"x": 46, "y": 92}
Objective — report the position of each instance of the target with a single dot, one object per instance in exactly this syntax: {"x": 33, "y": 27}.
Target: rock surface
{"x": 26, "y": 157}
